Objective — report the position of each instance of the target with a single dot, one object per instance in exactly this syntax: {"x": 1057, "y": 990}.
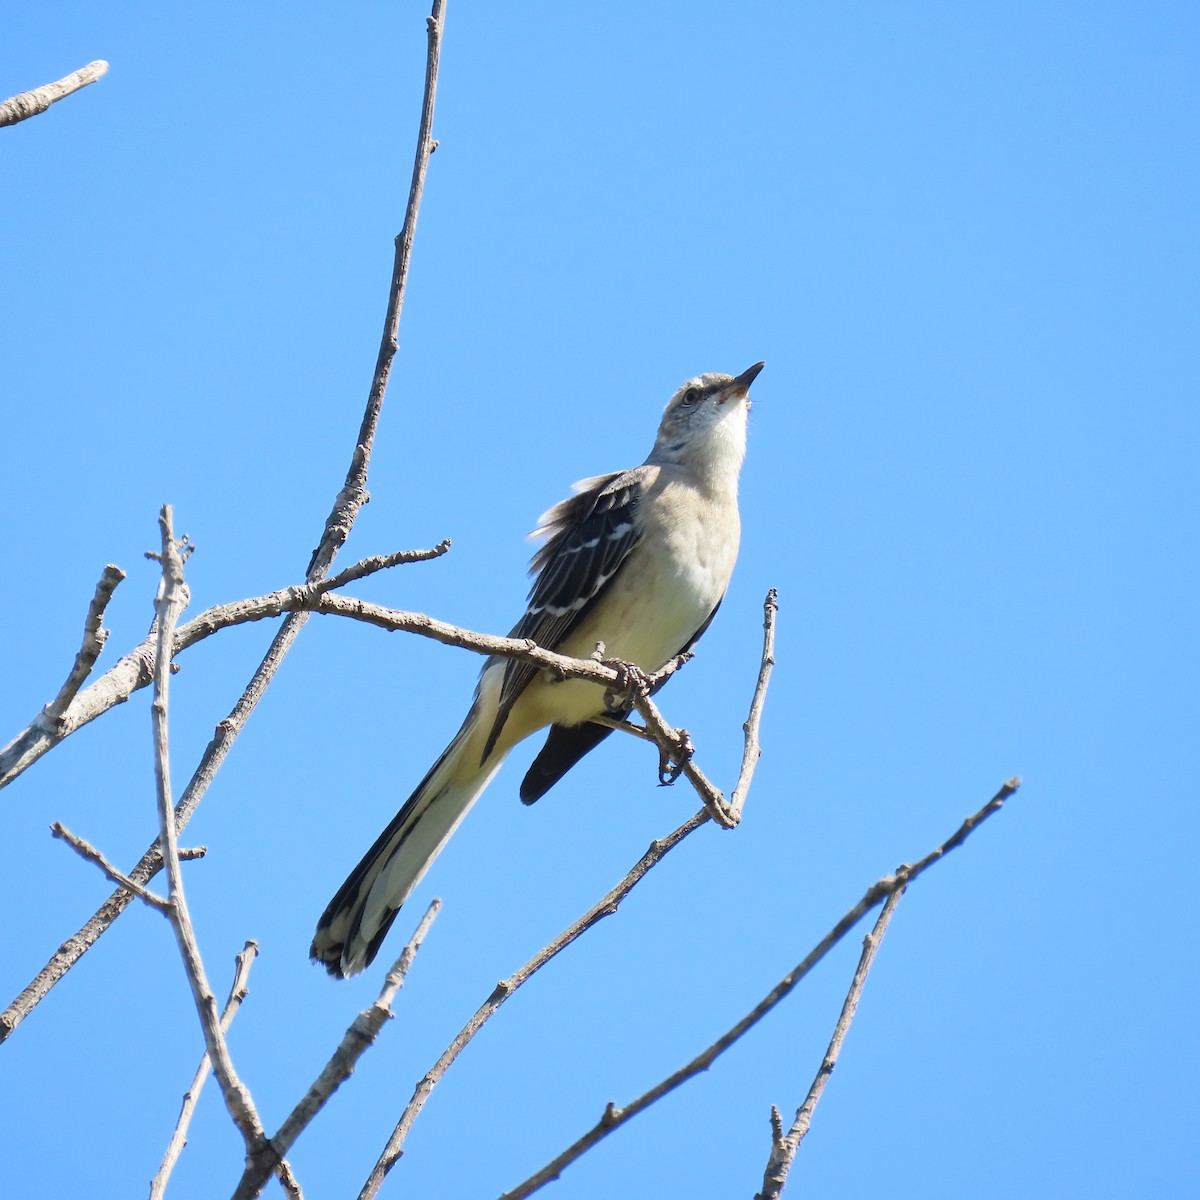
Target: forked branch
{"x": 361, "y": 1034}
{"x": 605, "y": 907}
{"x": 238, "y": 992}
{"x": 784, "y": 1146}
{"x": 613, "y": 1117}
{"x": 32, "y": 743}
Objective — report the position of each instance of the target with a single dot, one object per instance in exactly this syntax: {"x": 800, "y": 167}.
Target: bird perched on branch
{"x": 638, "y": 560}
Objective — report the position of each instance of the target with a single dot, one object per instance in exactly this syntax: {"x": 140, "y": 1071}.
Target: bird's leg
{"x": 671, "y": 763}
{"x": 619, "y": 699}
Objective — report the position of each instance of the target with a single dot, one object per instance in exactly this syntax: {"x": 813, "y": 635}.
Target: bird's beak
{"x": 736, "y": 389}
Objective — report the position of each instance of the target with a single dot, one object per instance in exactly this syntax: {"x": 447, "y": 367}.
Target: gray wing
{"x": 591, "y": 535}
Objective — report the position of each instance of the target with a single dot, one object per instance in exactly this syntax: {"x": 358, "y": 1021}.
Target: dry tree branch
{"x": 316, "y": 597}
{"x": 359, "y": 1037}
{"x": 341, "y": 518}
{"x": 85, "y": 849}
{"x": 136, "y": 669}
{"x": 613, "y": 676}
{"x": 606, "y": 907}
{"x": 506, "y": 987}
{"x": 28, "y": 104}
{"x": 753, "y": 750}
{"x": 675, "y": 744}
{"x": 354, "y": 494}
{"x": 94, "y": 638}
{"x": 784, "y": 1146}
{"x": 879, "y": 891}
{"x": 380, "y": 562}
{"x": 237, "y": 993}
{"x": 172, "y": 596}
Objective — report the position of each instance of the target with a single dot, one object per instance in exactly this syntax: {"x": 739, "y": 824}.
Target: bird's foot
{"x": 672, "y": 762}
{"x": 631, "y": 682}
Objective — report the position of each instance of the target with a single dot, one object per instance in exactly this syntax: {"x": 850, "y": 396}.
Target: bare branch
{"x": 753, "y": 750}
{"x": 94, "y": 638}
{"x": 304, "y": 598}
{"x": 172, "y": 596}
{"x": 132, "y": 672}
{"x": 606, "y": 907}
{"x": 353, "y": 494}
{"x": 313, "y": 597}
{"x": 624, "y": 726}
{"x": 614, "y": 1117}
{"x": 664, "y": 673}
{"x": 618, "y": 677}
{"x": 136, "y": 669}
{"x": 237, "y": 993}
{"x": 86, "y": 850}
{"x": 28, "y": 104}
{"x": 784, "y": 1147}
{"x": 361, "y": 1034}
{"x": 31, "y": 745}
{"x": 381, "y": 562}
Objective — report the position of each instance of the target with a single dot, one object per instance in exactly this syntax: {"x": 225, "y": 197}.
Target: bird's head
{"x": 705, "y": 422}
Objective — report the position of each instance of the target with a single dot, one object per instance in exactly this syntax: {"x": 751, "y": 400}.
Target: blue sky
{"x": 963, "y": 238}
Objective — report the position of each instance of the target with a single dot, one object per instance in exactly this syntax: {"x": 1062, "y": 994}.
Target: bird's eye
{"x": 691, "y": 396}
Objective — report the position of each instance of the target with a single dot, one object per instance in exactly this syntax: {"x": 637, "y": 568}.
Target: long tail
{"x": 352, "y": 928}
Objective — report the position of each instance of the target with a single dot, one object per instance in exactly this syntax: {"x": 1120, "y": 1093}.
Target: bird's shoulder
{"x": 599, "y": 507}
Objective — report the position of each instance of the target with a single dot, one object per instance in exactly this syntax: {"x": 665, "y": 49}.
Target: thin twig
{"x": 506, "y": 987}
{"x": 664, "y": 673}
{"x": 172, "y": 596}
{"x": 776, "y": 1124}
{"x": 354, "y": 495}
{"x": 784, "y": 1146}
{"x": 87, "y": 850}
{"x": 361, "y": 1034}
{"x": 753, "y": 750}
{"x": 237, "y": 993}
{"x": 94, "y": 638}
{"x": 380, "y": 562}
{"x": 614, "y": 1117}
{"x": 28, "y": 104}
{"x": 624, "y": 726}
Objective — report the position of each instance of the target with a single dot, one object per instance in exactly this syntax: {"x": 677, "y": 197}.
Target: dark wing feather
{"x": 590, "y": 536}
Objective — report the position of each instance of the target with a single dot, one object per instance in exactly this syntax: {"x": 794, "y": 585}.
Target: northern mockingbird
{"x": 638, "y": 560}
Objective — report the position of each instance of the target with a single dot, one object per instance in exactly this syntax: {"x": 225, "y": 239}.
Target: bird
{"x": 638, "y": 560}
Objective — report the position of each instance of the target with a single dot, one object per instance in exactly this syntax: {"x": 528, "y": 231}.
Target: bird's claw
{"x": 671, "y": 764}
